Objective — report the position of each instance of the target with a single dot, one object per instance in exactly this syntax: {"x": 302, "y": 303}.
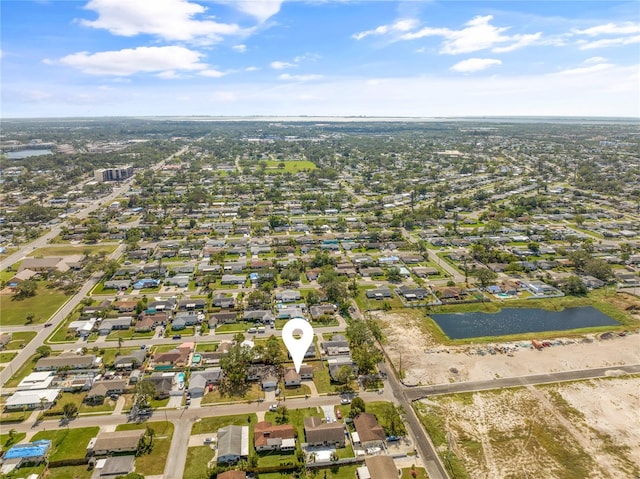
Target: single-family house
{"x": 369, "y": 432}
{"x": 270, "y": 437}
{"x": 288, "y": 296}
{"x": 233, "y": 444}
{"x": 291, "y": 378}
{"x": 68, "y": 361}
{"x": 101, "y": 389}
{"x": 32, "y": 399}
{"x": 223, "y": 301}
{"x": 318, "y": 433}
{"x": 378, "y": 467}
{"x": 107, "y": 443}
{"x": 131, "y": 360}
{"x": 378, "y": 293}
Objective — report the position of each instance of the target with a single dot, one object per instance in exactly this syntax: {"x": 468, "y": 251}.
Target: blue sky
{"x": 319, "y": 57}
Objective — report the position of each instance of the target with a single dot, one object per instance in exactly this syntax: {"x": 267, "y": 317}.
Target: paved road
{"x": 425, "y": 448}
{"x": 420, "y": 392}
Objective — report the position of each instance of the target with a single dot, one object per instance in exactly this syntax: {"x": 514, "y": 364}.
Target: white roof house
{"x": 36, "y": 380}
{"x": 32, "y": 399}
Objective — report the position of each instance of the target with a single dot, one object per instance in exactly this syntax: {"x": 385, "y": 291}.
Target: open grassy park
{"x": 45, "y": 302}
{"x": 279, "y": 166}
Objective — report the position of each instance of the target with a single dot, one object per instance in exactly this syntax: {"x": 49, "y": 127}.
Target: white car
{"x": 345, "y": 401}
{"x": 208, "y": 440}
{"x": 273, "y": 407}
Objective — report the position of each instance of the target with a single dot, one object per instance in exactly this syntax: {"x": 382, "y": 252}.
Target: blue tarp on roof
{"x": 25, "y": 451}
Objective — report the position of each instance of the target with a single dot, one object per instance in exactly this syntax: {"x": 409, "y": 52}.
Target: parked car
{"x": 208, "y": 440}
{"x": 273, "y": 407}
{"x": 177, "y": 336}
{"x": 345, "y": 401}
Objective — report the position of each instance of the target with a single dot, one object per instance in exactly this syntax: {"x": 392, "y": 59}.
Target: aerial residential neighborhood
{"x": 147, "y": 339}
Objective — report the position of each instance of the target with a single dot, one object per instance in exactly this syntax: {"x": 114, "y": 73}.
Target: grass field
{"x": 254, "y": 393}
{"x": 154, "y": 462}
{"x": 42, "y": 306}
{"x": 71, "y": 250}
{"x": 20, "y": 338}
{"x": 6, "y": 357}
{"x": 273, "y": 166}
{"x": 212, "y": 424}
{"x": 77, "y": 399}
{"x": 68, "y": 443}
{"x": 6, "y": 443}
{"x": 197, "y": 462}
{"x": 70, "y": 472}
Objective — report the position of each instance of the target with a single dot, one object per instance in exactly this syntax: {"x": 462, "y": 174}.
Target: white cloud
{"x": 286, "y": 76}
{"x": 212, "y": 73}
{"x": 477, "y": 34}
{"x": 475, "y": 65}
{"x": 251, "y": 69}
{"x": 520, "y": 42}
{"x": 240, "y": 48}
{"x": 608, "y": 42}
{"x": 167, "y": 19}
{"x": 626, "y": 28}
{"x": 277, "y": 65}
{"x": 403, "y": 25}
{"x": 137, "y": 60}
{"x": 261, "y": 10}
{"x": 593, "y": 64}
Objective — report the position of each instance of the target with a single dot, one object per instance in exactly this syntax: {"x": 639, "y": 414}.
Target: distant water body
{"x": 19, "y": 155}
{"x": 519, "y": 320}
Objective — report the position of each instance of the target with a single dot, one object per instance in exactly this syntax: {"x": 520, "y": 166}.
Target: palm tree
{"x": 120, "y": 341}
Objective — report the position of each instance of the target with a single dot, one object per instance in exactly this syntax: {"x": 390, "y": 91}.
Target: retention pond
{"x": 519, "y": 320}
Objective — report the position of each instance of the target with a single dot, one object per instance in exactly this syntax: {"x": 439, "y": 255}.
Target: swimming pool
{"x": 180, "y": 377}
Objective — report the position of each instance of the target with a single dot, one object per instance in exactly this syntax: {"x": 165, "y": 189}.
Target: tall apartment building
{"x": 113, "y": 174}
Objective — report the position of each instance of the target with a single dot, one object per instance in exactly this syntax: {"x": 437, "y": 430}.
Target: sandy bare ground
{"x": 424, "y": 362}
{"x": 582, "y": 430}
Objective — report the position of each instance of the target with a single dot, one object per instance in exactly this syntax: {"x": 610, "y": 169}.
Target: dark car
{"x": 177, "y": 336}
{"x": 46, "y": 325}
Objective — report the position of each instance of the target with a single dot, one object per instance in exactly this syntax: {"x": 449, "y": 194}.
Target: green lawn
{"x": 322, "y": 379}
{"x": 212, "y": 424}
{"x": 272, "y": 166}
{"x": 128, "y": 334}
{"x": 20, "y": 338}
{"x": 6, "y": 443}
{"x": 206, "y": 347}
{"x": 68, "y": 443}
{"x": 253, "y": 394}
{"x": 77, "y": 399}
{"x": 70, "y": 472}
{"x": 25, "y": 472}
{"x": 6, "y": 357}
{"x": 232, "y": 328}
{"x": 295, "y": 392}
{"x": 23, "y": 372}
{"x": 42, "y": 306}
{"x": 197, "y": 462}
{"x": 72, "y": 250}
{"x": 153, "y": 463}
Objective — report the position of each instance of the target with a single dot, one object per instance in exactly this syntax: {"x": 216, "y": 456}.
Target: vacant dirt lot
{"x": 425, "y": 362}
{"x": 555, "y": 431}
